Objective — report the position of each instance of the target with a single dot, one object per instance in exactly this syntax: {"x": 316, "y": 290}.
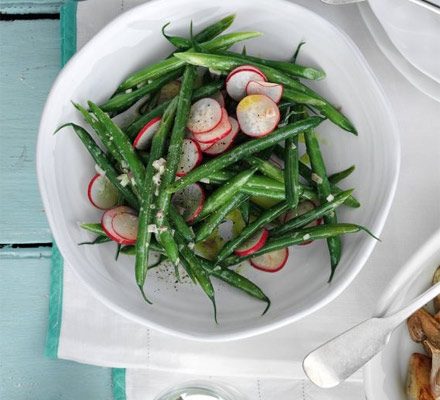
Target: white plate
{"x": 385, "y": 375}
{"x": 134, "y": 39}
{"x": 414, "y": 30}
{"x": 409, "y": 70}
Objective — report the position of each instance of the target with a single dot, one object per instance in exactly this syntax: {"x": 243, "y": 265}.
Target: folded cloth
{"x": 147, "y": 362}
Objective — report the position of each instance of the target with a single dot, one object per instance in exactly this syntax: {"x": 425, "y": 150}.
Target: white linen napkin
{"x": 266, "y": 367}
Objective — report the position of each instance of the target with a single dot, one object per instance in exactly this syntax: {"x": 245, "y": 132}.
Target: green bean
{"x": 245, "y": 210}
{"x": 217, "y": 217}
{"x": 244, "y": 150}
{"x": 225, "y": 192}
{"x": 194, "y": 265}
{"x": 339, "y": 176}
{"x": 98, "y": 240}
{"x": 112, "y": 150}
{"x": 180, "y": 224}
{"x": 236, "y": 280}
{"x": 254, "y": 182}
{"x": 286, "y": 67}
{"x": 296, "y": 96}
{"x": 131, "y": 250}
{"x": 165, "y": 237}
{"x": 178, "y": 42}
{"x": 266, "y": 217}
{"x": 312, "y": 215}
{"x": 227, "y": 63}
{"x": 121, "y": 141}
{"x": 275, "y": 173}
{"x": 94, "y": 227}
{"x": 123, "y": 101}
{"x": 334, "y": 244}
{"x": 266, "y": 168}
{"x": 163, "y": 67}
{"x": 291, "y": 174}
{"x": 102, "y": 161}
{"x": 296, "y": 53}
{"x": 133, "y": 129}
{"x": 215, "y": 29}
{"x": 147, "y": 189}
{"x": 269, "y": 194}
{"x": 298, "y": 237}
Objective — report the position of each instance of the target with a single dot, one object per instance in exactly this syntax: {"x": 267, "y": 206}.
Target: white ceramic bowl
{"x": 133, "y": 40}
{"x": 385, "y": 375}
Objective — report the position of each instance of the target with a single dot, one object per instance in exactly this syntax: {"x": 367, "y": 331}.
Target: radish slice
{"x": 219, "y": 132}
{"x": 145, "y": 135}
{"x": 120, "y": 224}
{"x": 204, "y": 116}
{"x": 189, "y": 201}
{"x": 271, "y": 262}
{"x": 203, "y": 146}
{"x": 219, "y": 98}
{"x": 248, "y": 67}
{"x": 303, "y": 207}
{"x": 253, "y": 244}
{"x": 190, "y": 158}
{"x": 238, "y": 79}
{"x": 271, "y": 90}
{"x": 220, "y": 146}
{"x": 258, "y": 115}
{"x": 101, "y": 193}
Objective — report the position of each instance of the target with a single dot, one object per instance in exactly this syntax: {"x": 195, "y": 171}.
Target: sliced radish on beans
{"x": 247, "y": 67}
{"x": 101, "y": 193}
{"x": 204, "y": 116}
{"x": 219, "y": 98}
{"x": 203, "y": 146}
{"x": 271, "y": 90}
{"x": 219, "y": 132}
{"x": 271, "y": 262}
{"x": 238, "y": 79}
{"x": 220, "y": 146}
{"x": 303, "y": 207}
{"x": 121, "y": 224}
{"x": 258, "y": 115}
{"x": 145, "y": 135}
{"x": 191, "y": 156}
{"x": 189, "y": 201}
{"x": 253, "y": 244}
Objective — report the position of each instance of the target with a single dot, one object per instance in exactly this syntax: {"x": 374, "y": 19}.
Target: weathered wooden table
{"x": 29, "y": 62}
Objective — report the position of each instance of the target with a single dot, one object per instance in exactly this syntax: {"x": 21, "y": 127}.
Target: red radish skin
{"x": 107, "y": 224}
{"x": 224, "y": 144}
{"x": 271, "y": 262}
{"x": 218, "y": 133}
{"x": 238, "y": 79}
{"x": 203, "y": 146}
{"x": 219, "y": 98}
{"x": 272, "y": 90}
{"x": 253, "y": 244}
{"x": 97, "y": 185}
{"x": 258, "y": 115}
{"x": 145, "y": 135}
{"x": 183, "y": 198}
{"x": 247, "y": 67}
{"x": 302, "y": 208}
{"x": 190, "y": 158}
{"x": 204, "y": 116}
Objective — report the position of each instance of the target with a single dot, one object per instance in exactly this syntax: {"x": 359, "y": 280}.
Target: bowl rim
{"x": 406, "y": 275}
{"x": 337, "y": 287}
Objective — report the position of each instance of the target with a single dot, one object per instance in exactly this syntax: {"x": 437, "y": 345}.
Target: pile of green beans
{"x": 242, "y": 181}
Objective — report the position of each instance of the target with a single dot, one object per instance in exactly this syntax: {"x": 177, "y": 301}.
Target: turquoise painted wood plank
{"x": 29, "y": 62}
{"x": 28, "y": 7}
{"x": 25, "y": 373}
